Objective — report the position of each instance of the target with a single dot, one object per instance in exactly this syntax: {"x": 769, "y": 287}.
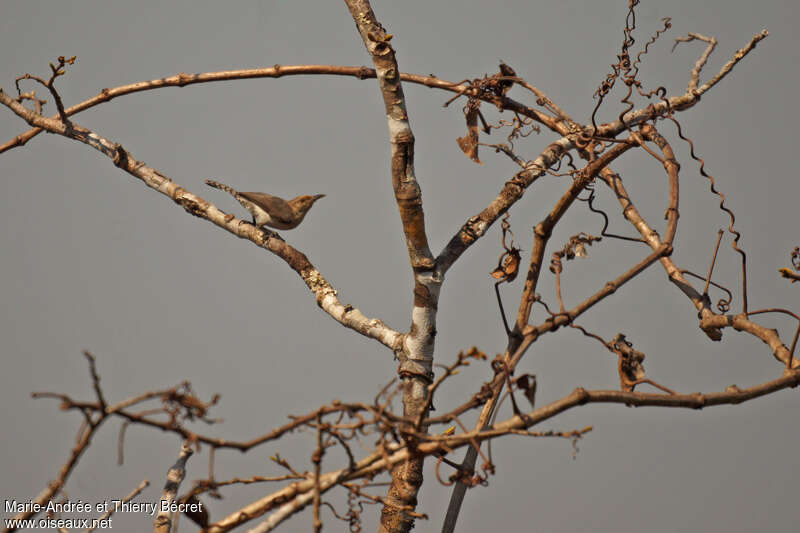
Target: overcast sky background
{"x": 92, "y": 259}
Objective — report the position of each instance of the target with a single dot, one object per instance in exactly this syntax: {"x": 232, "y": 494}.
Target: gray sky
{"x": 91, "y": 259}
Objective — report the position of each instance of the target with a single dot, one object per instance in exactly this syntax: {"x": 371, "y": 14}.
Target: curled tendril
{"x": 667, "y": 25}
{"x": 590, "y": 203}
{"x": 622, "y": 67}
{"x": 722, "y": 207}
{"x": 723, "y": 304}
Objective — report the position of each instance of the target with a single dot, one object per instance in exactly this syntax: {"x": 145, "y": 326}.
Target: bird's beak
{"x": 318, "y": 196}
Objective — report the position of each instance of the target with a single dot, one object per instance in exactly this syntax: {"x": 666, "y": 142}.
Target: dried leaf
{"x": 787, "y": 273}
{"x": 508, "y": 72}
{"x": 469, "y": 143}
{"x": 527, "y": 383}
{"x": 197, "y": 511}
{"x": 508, "y": 264}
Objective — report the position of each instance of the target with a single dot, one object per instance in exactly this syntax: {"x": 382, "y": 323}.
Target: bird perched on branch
{"x": 268, "y": 210}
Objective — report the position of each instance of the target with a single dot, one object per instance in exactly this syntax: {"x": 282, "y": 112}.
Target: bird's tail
{"x": 222, "y": 187}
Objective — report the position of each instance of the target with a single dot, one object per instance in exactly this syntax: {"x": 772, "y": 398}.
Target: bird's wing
{"x": 277, "y": 208}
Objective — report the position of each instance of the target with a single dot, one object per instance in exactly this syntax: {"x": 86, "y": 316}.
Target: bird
{"x": 268, "y": 210}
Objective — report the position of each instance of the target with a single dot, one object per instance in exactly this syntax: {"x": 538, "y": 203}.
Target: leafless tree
{"x": 583, "y": 155}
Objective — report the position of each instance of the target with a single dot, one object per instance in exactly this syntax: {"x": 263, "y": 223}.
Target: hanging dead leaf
{"x": 508, "y": 264}
{"x": 469, "y": 143}
{"x": 196, "y": 511}
{"x": 527, "y": 383}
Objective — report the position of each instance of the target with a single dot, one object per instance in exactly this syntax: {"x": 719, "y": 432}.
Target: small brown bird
{"x": 268, "y": 210}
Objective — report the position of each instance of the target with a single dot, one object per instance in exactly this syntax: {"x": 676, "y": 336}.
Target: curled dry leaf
{"x": 631, "y": 369}
{"x": 508, "y": 264}
{"x": 506, "y": 71}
